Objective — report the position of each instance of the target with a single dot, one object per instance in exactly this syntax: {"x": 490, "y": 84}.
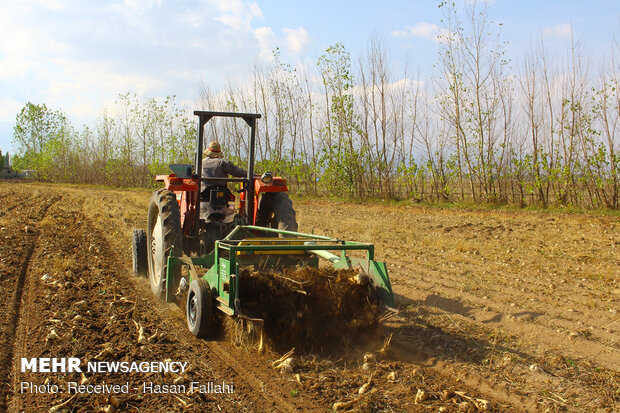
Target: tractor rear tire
{"x": 164, "y": 238}
{"x": 276, "y": 210}
{"x": 140, "y": 264}
{"x": 199, "y": 308}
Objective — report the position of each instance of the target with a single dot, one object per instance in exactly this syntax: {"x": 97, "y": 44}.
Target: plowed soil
{"x": 316, "y": 310}
{"x": 496, "y": 311}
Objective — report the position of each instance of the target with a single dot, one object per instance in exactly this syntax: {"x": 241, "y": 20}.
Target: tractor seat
{"x": 217, "y": 195}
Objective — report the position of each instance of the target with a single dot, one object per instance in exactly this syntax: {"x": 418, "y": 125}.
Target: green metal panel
{"x": 212, "y": 276}
{"x": 224, "y": 278}
{"x": 379, "y": 273}
{"x": 206, "y": 261}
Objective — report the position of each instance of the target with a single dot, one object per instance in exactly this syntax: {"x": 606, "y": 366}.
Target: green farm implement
{"x": 194, "y": 252}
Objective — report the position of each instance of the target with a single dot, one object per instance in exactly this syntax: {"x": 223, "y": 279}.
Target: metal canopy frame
{"x": 250, "y": 119}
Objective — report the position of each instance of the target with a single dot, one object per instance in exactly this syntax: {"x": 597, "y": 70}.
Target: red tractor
{"x": 183, "y": 219}
{"x": 197, "y": 247}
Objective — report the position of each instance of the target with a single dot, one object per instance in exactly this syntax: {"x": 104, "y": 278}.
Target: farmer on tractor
{"x": 215, "y": 166}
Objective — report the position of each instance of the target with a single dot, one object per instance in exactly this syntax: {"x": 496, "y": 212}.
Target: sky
{"x": 77, "y": 56}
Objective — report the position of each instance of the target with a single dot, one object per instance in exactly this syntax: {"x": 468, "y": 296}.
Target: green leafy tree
{"x": 44, "y": 140}
{"x": 35, "y": 125}
{"x": 342, "y": 155}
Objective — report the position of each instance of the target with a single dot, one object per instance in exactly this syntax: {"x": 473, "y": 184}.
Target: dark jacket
{"x": 219, "y": 168}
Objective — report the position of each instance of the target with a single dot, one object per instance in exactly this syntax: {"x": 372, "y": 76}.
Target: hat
{"x": 214, "y": 150}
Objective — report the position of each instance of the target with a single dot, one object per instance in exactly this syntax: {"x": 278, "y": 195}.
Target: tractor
{"x": 190, "y": 225}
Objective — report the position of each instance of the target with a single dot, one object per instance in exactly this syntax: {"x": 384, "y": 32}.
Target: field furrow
{"x": 504, "y": 311}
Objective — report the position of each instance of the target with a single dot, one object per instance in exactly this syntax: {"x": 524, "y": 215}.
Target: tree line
{"x": 542, "y": 131}
{"x": 3, "y": 160}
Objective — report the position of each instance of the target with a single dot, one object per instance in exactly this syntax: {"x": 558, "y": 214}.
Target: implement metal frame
{"x": 242, "y": 248}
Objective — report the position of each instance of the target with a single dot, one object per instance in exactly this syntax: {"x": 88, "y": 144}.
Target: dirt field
{"x": 497, "y": 311}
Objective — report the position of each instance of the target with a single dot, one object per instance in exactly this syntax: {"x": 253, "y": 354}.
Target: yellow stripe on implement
{"x": 271, "y": 241}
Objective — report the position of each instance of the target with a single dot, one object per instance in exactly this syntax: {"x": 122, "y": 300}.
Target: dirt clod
{"x": 420, "y": 396}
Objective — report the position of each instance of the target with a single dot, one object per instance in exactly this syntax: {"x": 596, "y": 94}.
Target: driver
{"x": 215, "y": 166}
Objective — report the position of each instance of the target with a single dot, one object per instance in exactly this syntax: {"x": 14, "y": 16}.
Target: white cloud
{"x": 559, "y": 30}
{"x": 400, "y": 33}
{"x": 86, "y": 54}
{"x": 237, "y": 14}
{"x": 427, "y": 30}
{"x": 49, "y": 4}
{"x": 9, "y": 108}
{"x": 395, "y": 87}
{"x": 297, "y": 40}
{"x": 407, "y": 83}
{"x": 25, "y": 43}
{"x": 78, "y": 56}
{"x": 267, "y": 42}
{"x": 141, "y": 5}
{"x": 73, "y": 89}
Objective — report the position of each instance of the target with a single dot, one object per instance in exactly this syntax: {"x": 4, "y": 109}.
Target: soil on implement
{"x": 314, "y": 310}
{"x": 495, "y": 311}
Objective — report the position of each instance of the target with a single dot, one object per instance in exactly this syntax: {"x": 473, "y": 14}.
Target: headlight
{"x": 266, "y": 178}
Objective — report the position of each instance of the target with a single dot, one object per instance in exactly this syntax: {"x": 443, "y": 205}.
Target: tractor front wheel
{"x": 283, "y": 211}
{"x": 199, "y": 308}
{"x": 276, "y": 211}
{"x": 164, "y": 238}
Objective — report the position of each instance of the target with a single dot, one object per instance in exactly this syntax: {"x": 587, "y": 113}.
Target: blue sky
{"x": 78, "y": 55}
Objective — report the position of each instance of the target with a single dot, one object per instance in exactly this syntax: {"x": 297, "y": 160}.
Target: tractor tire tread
{"x": 284, "y": 212}
{"x": 164, "y": 203}
{"x": 139, "y": 251}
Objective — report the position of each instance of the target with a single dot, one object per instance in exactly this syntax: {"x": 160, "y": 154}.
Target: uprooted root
{"x": 312, "y": 309}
